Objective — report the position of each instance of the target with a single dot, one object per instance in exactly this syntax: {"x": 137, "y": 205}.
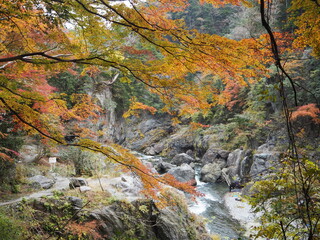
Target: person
{"x": 235, "y": 185}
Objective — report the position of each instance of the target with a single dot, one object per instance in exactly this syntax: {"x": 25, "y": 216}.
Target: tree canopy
{"x": 138, "y": 39}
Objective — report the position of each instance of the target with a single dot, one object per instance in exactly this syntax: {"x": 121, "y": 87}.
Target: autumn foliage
{"x": 309, "y": 110}
{"x": 39, "y": 39}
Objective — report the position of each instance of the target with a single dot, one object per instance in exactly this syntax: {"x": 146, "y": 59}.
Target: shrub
{"x": 9, "y": 229}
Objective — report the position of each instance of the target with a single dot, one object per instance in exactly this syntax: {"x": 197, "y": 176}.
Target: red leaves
{"x": 309, "y": 110}
{"x": 139, "y": 52}
{"x": 6, "y": 153}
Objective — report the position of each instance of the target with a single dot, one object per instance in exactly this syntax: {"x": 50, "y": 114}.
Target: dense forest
{"x": 78, "y": 78}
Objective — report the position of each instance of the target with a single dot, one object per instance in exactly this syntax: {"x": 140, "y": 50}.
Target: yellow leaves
{"x": 306, "y": 16}
{"x": 125, "y": 80}
{"x": 134, "y": 106}
{"x": 84, "y": 107}
{"x": 175, "y": 121}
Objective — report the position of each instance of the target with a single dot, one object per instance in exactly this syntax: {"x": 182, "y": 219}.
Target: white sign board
{"x": 52, "y": 159}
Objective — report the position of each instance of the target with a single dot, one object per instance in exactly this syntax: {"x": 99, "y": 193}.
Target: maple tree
{"x": 41, "y": 38}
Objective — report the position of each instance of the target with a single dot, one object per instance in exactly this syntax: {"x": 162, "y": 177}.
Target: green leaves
{"x": 288, "y": 200}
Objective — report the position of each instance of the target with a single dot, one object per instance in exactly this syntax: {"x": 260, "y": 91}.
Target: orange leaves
{"x": 25, "y": 30}
{"x": 134, "y": 106}
{"x": 153, "y": 183}
{"x": 84, "y": 107}
{"x": 91, "y": 71}
{"x": 195, "y": 125}
{"x": 309, "y": 110}
{"x": 223, "y": 2}
{"x": 192, "y": 105}
{"x": 83, "y": 230}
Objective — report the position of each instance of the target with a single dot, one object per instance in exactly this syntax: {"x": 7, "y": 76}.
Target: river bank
{"x": 241, "y": 211}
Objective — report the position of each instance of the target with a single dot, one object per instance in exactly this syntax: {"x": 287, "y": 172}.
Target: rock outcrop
{"x": 210, "y": 172}
{"x": 183, "y": 173}
{"x": 234, "y": 161}
{"x": 141, "y": 219}
{"x": 77, "y": 182}
{"x": 144, "y": 135}
{"x": 263, "y": 164}
{"x": 40, "y": 181}
{"x": 182, "y": 158}
{"x": 213, "y": 155}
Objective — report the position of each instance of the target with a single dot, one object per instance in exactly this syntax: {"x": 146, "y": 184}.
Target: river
{"x": 211, "y": 206}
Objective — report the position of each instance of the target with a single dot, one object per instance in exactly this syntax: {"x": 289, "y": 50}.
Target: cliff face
{"x": 100, "y": 215}
{"x": 155, "y": 135}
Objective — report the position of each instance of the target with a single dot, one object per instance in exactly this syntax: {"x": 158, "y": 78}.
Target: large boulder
{"x": 215, "y": 155}
{"x": 40, "y": 181}
{"x": 233, "y": 162}
{"x": 210, "y": 172}
{"x": 164, "y": 167}
{"x": 77, "y": 182}
{"x": 141, "y": 219}
{"x": 179, "y": 142}
{"x": 183, "y": 173}
{"x": 263, "y": 163}
{"x": 245, "y": 167}
{"x": 76, "y": 203}
{"x": 181, "y": 158}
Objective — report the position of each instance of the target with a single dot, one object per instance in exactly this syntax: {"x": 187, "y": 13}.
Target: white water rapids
{"x": 211, "y": 206}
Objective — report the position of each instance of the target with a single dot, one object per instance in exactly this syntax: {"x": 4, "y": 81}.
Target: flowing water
{"x": 211, "y": 207}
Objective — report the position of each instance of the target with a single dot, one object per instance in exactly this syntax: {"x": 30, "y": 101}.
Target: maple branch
{"x": 17, "y": 26}
{"x": 27, "y": 123}
{"x": 17, "y": 94}
{"x": 68, "y": 144}
{"x": 20, "y": 57}
{"x": 129, "y": 24}
{"x": 4, "y": 65}
{"x": 139, "y": 13}
{"x": 26, "y": 58}
{"x": 100, "y": 15}
{"x": 123, "y": 17}
{"x": 92, "y": 148}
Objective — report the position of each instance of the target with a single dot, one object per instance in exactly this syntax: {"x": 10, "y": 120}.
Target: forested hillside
{"x": 87, "y": 81}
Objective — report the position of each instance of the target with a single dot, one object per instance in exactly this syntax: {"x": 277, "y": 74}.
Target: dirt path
{"x": 125, "y": 187}
{"x": 61, "y": 183}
